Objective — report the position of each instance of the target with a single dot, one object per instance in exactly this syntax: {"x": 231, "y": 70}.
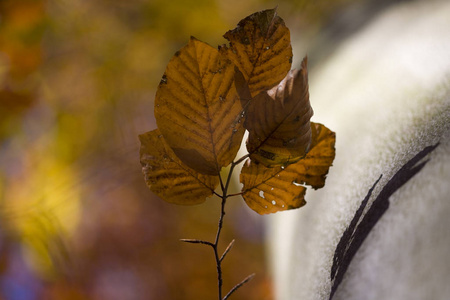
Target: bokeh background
{"x": 77, "y": 84}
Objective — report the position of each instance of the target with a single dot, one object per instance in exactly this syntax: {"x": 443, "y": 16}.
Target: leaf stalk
{"x": 214, "y": 246}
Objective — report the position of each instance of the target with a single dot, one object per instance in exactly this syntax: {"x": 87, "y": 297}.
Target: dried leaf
{"x": 260, "y": 46}
{"x": 268, "y": 190}
{"x": 312, "y": 170}
{"x": 199, "y": 105}
{"x": 168, "y": 177}
{"x": 278, "y": 121}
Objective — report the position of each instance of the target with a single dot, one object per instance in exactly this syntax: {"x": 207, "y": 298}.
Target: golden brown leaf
{"x": 260, "y": 46}
{"x": 168, "y": 177}
{"x": 312, "y": 170}
{"x": 268, "y": 190}
{"x": 278, "y": 121}
{"x": 198, "y": 107}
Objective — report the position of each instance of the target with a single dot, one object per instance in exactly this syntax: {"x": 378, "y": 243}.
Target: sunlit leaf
{"x": 260, "y": 46}
{"x": 198, "y": 107}
{"x": 278, "y": 121}
{"x": 312, "y": 170}
{"x": 268, "y": 190}
{"x": 168, "y": 177}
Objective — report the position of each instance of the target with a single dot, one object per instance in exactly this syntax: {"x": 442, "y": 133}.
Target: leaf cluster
{"x": 206, "y": 100}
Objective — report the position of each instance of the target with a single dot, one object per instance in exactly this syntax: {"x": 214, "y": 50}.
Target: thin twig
{"x": 226, "y": 250}
{"x": 221, "y": 184}
{"x": 233, "y": 195}
{"x": 242, "y": 159}
{"x": 194, "y": 241}
{"x": 224, "y": 196}
{"x": 229, "y": 178}
{"x": 247, "y": 279}
{"x": 222, "y": 214}
{"x": 216, "y": 242}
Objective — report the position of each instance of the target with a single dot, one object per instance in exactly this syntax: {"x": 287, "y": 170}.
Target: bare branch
{"x": 227, "y": 250}
{"x": 194, "y": 241}
{"x": 233, "y": 195}
{"x": 241, "y": 159}
{"x": 247, "y": 279}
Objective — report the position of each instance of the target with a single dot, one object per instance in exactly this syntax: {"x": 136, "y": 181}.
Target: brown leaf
{"x": 268, "y": 190}
{"x": 260, "y": 46}
{"x": 168, "y": 177}
{"x": 198, "y": 107}
{"x": 278, "y": 121}
{"x": 312, "y": 170}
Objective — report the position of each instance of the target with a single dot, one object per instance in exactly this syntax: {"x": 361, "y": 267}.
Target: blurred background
{"x": 77, "y": 83}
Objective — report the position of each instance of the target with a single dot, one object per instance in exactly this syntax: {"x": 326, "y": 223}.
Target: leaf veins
{"x": 168, "y": 177}
{"x": 278, "y": 121}
{"x": 272, "y": 189}
{"x": 199, "y": 105}
{"x": 260, "y": 47}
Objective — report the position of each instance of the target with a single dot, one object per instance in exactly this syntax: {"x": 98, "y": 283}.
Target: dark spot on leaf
{"x": 163, "y": 79}
{"x": 193, "y": 159}
{"x": 245, "y": 41}
{"x": 266, "y": 154}
{"x": 265, "y": 19}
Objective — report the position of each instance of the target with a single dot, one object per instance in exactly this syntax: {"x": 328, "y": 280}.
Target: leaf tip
{"x": 304, "y": 64}
{"x": 193, "y": 38}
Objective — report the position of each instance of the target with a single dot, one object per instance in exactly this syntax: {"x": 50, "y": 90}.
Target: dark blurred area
{"x": 77, "y": 83}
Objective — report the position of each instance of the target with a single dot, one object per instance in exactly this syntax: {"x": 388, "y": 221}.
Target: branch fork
{"x": 214, "y": 245}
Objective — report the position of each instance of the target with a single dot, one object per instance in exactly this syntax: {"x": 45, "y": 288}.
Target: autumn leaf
{"x": 168, "y": 177}
{"x": 269, "y": 190}
{"x": 199, "y": 107}
{"x": 273, "y": 189}
{"x": 278, "y": 121}
{"x": 260, "y": 46}
{"x": 205, "y": 101}
{"x": 312, "y": 169}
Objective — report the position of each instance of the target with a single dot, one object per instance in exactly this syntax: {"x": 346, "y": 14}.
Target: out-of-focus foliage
{"x": 77, "y": 80}
{"x": 22, "y": 25}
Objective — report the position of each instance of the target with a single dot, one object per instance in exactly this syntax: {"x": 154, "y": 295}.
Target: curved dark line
{"x": 354, "y": 236}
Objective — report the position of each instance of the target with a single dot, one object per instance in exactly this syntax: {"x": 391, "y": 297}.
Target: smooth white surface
{"x": 386, "y": 94}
